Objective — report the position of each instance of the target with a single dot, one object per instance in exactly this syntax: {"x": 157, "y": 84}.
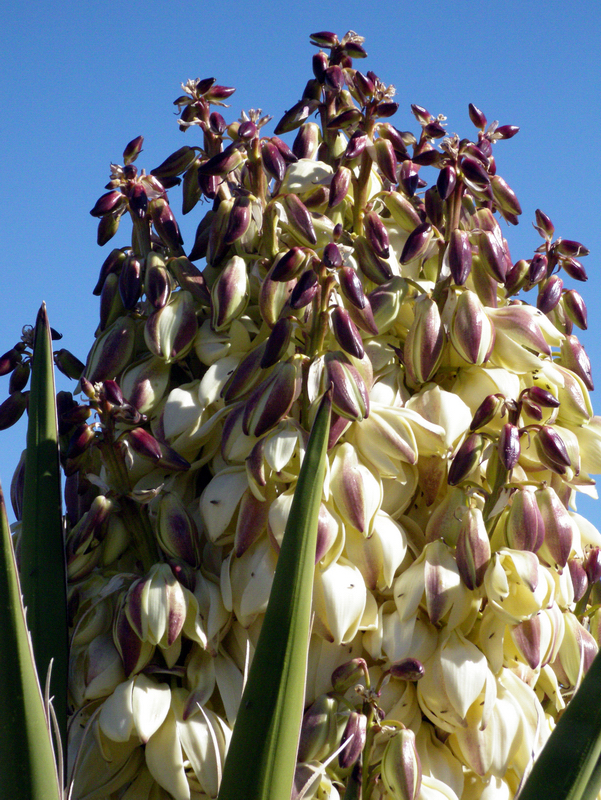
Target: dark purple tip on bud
{"x": 552, "y": 449}
{"x": 352, "y": 288}
{"x": 592, "y": 565}
{"x": 324, "y": 39}
{"x": 144, "y": 444}
{"x": 247, "y": 130}
{"x": 331, "y": 256}
{"x": 509, "y": 446}
{"x": 486, "y": 411}
{"x": 305, "y": 290}
{"x": 353, "y": 738}
{"x": 477, "y": 116}
{"x": 542, "y": 397}
{"x": 506, "y": 131}
{"x": 356, "y": 145}
{"x": 575, "y": 308}
{"x": 549, "y": 294}
{"x": 113, "y": 393}
{"x": 544, "y": 225}
{"x": 459, "y": 255}
{"x": 273, "y": 160}
{"x": 466, "y": 459}
{"x": 446, "y": 182}
{"x": 574, "y": 269}
{"x": 570, "y": 248}
{"x": 277, "y": 343}
{"x": 346, "y": 332}
{"x": 133, "y": 150}
{"x": 538, "y": 268}
{"x": 408, "y": 669}
{"x": 217, "y": 123}
{"x": 289, "y": 265}
{"x": 417, "y": 243}
{"x": 376, "y": 234}
{"x": 111, "y": 201}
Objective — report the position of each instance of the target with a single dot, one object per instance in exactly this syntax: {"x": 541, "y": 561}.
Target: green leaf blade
{"x": 262, "y": 755}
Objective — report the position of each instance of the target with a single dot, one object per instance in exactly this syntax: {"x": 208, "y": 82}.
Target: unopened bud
{"x": 492, "y": 256}
{"x": 473, "y": 548}
{"x": 471, "y": 332}
{"x": 133, "y": 150}
{"x": 277, "y": 343}
{"x": 11, "y": 410}
{"x": 408, "y": 669}
{"x": 223, "y": 163}
{"x": 423, "y": 348}
{"x": 575, "y": 308}
{"x": 446, "y": 182}
{"x": 504, "y": 196}
{"x": 130, "y": 282}
{"x": 544, "y": 225}
{"x": 288, "y": 265}
{"x": 401, "y": 210}
{"x": 376, "y": 234}
{"x": 486, "y": 411}
{"x": 401, "y": 767}
{"x": 574, "y": 357}
{"x": 350, "y": 397}
{"x": 230, "y": 293}
{"x": 509, "y": 446}
{"x": 307, "y": 140}
{"x": 165, "y": 224}
{"x": 299, "y": 219}
{"x": 349, "y": 674}
{"x": 466, "y": 459}
{"x": 417, "y": 243}
{"x": 372, "y": 266}
{"x": 558, "y": 526}
{"x": 386, "y": 159}
{"x": 574, "y": 269}
{"x": 353, "y": 738}
{"x": 551, "y": 450}
{"x": 346, "y": 332}
{"x": 305, "y": 290}
{"x": 549, "y": 294}
{"x": 272, "y": 399}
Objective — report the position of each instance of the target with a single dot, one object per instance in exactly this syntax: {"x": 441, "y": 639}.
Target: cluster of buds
{"x": 452, "y": 575}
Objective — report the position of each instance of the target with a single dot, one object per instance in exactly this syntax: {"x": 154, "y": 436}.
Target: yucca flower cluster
{"x": 455, "y": 594}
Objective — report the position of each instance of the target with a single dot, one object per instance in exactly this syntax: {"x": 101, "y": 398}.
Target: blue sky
{"x": 80, "y": 80}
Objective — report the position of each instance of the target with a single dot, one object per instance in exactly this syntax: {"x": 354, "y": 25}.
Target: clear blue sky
{"x": 81, "y": 79}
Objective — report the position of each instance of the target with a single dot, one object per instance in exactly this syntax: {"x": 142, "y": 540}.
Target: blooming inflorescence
{"x": 452, "y": 580}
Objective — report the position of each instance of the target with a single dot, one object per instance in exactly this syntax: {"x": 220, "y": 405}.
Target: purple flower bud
{"x": 320, "y": 63}
{"x": 109, "y": 202}
{"x": 459, "y": 256}
{"x": 81, "y": 438}
{"x": 273, "y": 161}
{"x": 277, "y": 343}
{"x": 542, "y": 397}
{"x": 305, "y": 290}
{"x": 592, "y": 565}
{"x": 373, "y": 267}
{"x": 346, "y": 333}
{"x": 544, "y": 225}
{"x": 474, "y": 174}
{"x": 133, "y": 150}
{"x": 506, "y": 131}
{"x": 389, "y": 132}
{"x": 477, "y": 117}
{"x": 331, "y": 256}
{"x": 434, "y": 207}
{"x": 486, "y": 411}
{"x": 353, "y": 49}
{"x": 272, "y": 399}
{"x": 551, "y": 449}
{"x": 333, "y": 77}
{"x": 238, "y": 220}
{"x": 190, "y": 278}
{"x": 353, "y": 738}
{"x": 11, "y": 410}
{"x": 417, "y": 243}
{"x": 558, "y": 525}
{"x": 130, "y": 282}
{"x": 324, "y": 39}
{"x": 217, "y": 123}
{"x": 492, "y": 256}
{"x": 295, "y": 117}
{"x": 386, "y": 159}
{"x": 247, "y": 130}
{"x": 307, "y": 141}
{"x": 570, "y": 248}
{"x": 299, "y": 218}
{"x": 144, "y": 443}
{"x": 574, "y": 269}
{"x": 466, "y": 459}
{"x": 504, "y": 196}
{"x": 223, "y": 163}
{"x": 574, "y": 357}
{"x": 376, "y": 234}
{"x": 356, "y": 145}
{"x": 408, "y": 669}
{"x": 509, "y": 446}
{"x": 284, "y": 150}
{"x": 409, "y": 177}
{"x": 538, "y": 268}
{"x": 352, "y": 288}
{"x": 176, "y": 163}
{"x": 289, "y": 265}
{"x": 157, "y": 285}
{"x": 386, "y": 109}
{"x": 349, "y": 674}
{"x": 9, "y": 360}
{"x": 473, "y": 549}
{"x": 350, "y": 398}
{"x": 208, "y": 185}
{"x": 549, "y": 294}
{"x": 345, "y": 119}
{"x": 446, "y": 182}
{"x": 575, "y": 308}
{"x": 19, "y": 377}
{"x": 165, "y": 224}
{"x": 578, "y": 577}
{"x": 113, "y": 393}
{"x": 339, "y": 186}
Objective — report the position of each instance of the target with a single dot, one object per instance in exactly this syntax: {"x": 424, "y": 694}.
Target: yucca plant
{"x": 321, "y": 469}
